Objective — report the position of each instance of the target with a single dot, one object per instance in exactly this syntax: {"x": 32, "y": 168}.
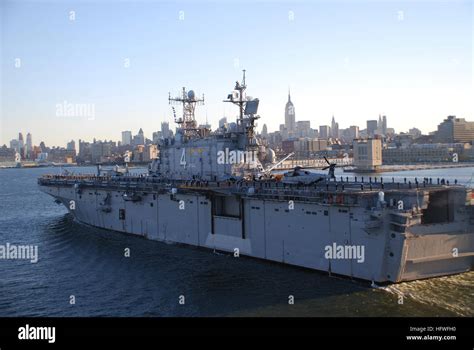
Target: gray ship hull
{"x": 269, "y": 228}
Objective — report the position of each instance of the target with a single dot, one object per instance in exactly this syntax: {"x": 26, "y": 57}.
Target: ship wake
{"x": 453, "y": 293}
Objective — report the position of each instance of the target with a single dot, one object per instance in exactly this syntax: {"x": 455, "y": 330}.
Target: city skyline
{"x": 380, "y": 129}
{"x": 409, "y": 61}
{"x": 315, "y": 124}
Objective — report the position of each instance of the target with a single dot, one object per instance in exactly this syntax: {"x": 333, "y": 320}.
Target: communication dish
{"x": 191, "y": 95}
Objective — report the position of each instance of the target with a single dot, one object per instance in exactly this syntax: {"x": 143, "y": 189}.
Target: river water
{"x": 82, "y": 271}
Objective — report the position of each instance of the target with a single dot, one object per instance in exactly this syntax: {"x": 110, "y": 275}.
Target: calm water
{"x": 89, "y": 263}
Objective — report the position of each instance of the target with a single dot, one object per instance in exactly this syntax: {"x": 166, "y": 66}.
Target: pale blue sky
{"x": 353, "y": 59}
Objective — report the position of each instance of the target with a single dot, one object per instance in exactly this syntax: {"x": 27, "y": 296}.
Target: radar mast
{"x": 187, "y": 122}
{"x": 247, "y": 107}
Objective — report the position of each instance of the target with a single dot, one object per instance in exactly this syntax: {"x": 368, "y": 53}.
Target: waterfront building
{"x": 7, "y": 154}
{"x": 453, "y": 130}
{"x": 367, "y": 154}
{"x": 427, "y": 153}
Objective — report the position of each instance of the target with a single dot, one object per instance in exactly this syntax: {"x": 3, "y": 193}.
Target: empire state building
{"x": 290, "y": 115}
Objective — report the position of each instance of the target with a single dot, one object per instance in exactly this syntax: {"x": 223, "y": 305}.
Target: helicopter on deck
{"x": 304, "y": 177}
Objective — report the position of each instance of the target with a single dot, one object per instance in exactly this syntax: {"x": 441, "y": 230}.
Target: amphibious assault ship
{"x": 216, "y": 189}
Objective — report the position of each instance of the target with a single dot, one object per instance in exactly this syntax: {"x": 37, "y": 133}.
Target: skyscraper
{"x": 138, "y": 139}
{"x": 71, "y": 146}
{"x": 165, "y": 129}
{"x": 303, "y": 128}
{"x": 126, "y": 137}
{"x": 21, "y": 145}
{"x": 324, "y": 131}
{"x": 290, "y": 115}
{"x": 222, "y": 122}
{"x": 141, "y": 137}
{"x": 14, "y": 144}
{"x": 156, "y": 137}
{"x": 29, "y": 146}
{"x": 372, "y": 126}
{"x": 334, "y": 128}
{"x": 354, "y": 131}
{"x": 264, "y": 130}
{"x": 453, "y": 130}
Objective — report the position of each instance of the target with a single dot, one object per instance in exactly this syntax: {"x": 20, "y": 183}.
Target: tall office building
{"x": 126, "y": 138}
{"x": 222, "y": 122}
{"x": 29, "y": 146}
{"x": 14, "y": 144}
{"x": 324, "y": 131}
{"x": 372, "y": 126}
{"x": 165, "y": 129}
{"x": 156, "y": 137}
{"x": 453, "y": 130}
{"x": 354, "y": 131}
{"x": 71, "y": 146}
{"x": 334, "y": 128}
{"x": 384, "y": 125}
{"x": 21, "y": 145}
{"x": 138, "y": 139}
{"x": 141, "y": 137}
{"x": 290, "y": 115}
{"x": 303, "y": 128}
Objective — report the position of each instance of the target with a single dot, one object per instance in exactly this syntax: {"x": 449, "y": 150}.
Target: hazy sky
{"x": 410, "y": 60}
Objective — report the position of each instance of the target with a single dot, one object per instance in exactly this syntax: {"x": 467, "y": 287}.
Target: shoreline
{"x": 27, "y": 166}
{"x": 346, "y": 168}
{"x": 411, "y": 167}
